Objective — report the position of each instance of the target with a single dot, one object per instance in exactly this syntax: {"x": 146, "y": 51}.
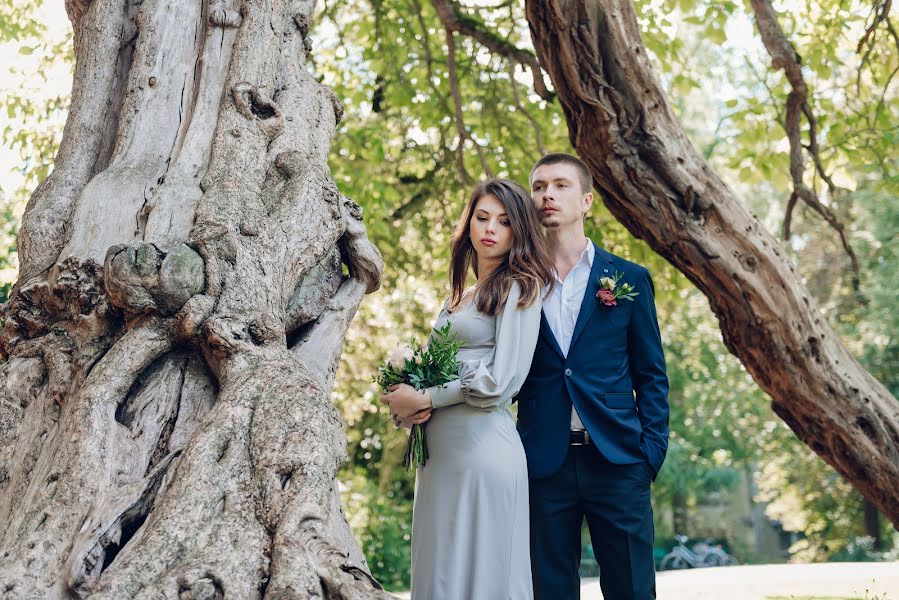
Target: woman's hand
{"x": 405, "y": 401}
{"x": 418, "y": 418}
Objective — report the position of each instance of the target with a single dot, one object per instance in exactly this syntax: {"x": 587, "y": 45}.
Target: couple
{"x": 498, "y": 512}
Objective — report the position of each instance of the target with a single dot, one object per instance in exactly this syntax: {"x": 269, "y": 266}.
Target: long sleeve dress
{"x": 470, "y": 534}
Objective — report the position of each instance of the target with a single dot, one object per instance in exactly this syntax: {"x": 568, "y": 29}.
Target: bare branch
{"x": 422, "y": 194}
{"x": 460, "y": 121}
{"x": 457, "y": 100}
{"x": 516, "y": 98}
{"x": 761, "y": 78}
{"x": 784, "y": 56}
{"x": 716, "y": 137}
{"x": 455, "y": 21}
{"x": 880, "y": 13}
{"x": 788, "y": 215}
{"x": 886, "y": 87}
{"x": 429, "y": 57}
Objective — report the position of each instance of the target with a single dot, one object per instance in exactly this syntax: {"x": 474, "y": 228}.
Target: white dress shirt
{"x": 563, "y": 306}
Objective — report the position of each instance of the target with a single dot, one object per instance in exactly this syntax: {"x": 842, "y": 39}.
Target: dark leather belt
{"x": 579, "y": 437}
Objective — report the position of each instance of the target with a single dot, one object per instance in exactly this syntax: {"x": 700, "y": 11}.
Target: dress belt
{"x": 579, "y": 437}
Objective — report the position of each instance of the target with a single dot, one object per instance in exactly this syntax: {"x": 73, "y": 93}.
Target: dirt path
{"x": 758, "y": 582}
{"x": 824, "y": 581}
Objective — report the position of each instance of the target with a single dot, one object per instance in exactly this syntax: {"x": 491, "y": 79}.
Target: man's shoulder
{"x": 621, "y": 264}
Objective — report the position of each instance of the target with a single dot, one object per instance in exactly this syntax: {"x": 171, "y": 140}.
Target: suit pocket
{"x": 619, "y": 400}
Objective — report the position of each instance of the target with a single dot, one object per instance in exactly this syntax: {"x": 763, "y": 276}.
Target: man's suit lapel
{"x": 601, "y": 268}
{"x": 547, "y": 333}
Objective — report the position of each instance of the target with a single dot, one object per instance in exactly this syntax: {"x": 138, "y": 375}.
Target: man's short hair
{"x": 583, "y": 173}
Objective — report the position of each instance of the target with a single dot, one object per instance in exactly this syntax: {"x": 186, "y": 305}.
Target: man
{"x": 593, "y": 413}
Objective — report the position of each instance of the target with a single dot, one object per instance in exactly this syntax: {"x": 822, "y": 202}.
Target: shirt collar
{"x": 586, "y": 259}
{"x": 588, "y": 254}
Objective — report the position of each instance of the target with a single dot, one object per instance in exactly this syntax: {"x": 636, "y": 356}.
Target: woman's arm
{"x": 498, "y": 376}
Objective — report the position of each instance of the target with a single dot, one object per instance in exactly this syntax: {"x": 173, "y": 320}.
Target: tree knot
{"x": 221, "y": 16}
{"x": 362, "y": 258}
{"x": 266, "y": 329}
{"x": 141, "y": 278}
{"x": 254, "y": 104}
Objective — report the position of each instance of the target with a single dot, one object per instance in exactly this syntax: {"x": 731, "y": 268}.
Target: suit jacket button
{"x": 567, "y": 372}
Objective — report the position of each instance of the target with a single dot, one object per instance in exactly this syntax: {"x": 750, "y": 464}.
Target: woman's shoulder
{"x": 517, "y": 291}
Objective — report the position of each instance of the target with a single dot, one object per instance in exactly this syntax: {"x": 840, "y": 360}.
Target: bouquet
{"x": 435, "y": 364}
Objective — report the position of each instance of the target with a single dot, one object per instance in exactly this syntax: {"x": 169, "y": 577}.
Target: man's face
{"x": 556, "y": 191}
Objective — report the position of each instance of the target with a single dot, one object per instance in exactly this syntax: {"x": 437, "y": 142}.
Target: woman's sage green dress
{"x": 470, "y": 537}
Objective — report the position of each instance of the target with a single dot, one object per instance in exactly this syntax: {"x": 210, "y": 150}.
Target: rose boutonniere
{"x": 610, "y": 291}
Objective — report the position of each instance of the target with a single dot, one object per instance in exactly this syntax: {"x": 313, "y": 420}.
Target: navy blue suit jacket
{"x": 614, "y": 375}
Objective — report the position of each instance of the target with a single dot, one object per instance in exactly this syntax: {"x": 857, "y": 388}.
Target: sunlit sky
{"x": 17, "y": 71}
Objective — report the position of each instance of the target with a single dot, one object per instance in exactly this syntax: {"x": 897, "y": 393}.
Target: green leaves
{"x": 422, "y": 367}
{"x": 18, "y": 20}
{"x": 33, "y": 102}
{"x": 426, "y": 366}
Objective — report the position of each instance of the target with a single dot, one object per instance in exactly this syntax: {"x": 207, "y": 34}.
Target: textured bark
{"x": 655, "y": 182}
{"x": 166, "y": 429}
{"x": 872, "y": 524}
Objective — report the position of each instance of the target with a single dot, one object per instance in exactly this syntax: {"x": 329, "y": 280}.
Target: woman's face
{"x": 490, "y": 231}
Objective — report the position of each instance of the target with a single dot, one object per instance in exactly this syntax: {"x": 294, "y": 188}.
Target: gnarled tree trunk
{"x": 166, "y": 429}
{"x": 660, "y": 188}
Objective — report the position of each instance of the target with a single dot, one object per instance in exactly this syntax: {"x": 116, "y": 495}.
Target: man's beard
{"x": 550, "y": 222}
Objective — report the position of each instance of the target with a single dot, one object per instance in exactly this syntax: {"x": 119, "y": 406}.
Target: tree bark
{"x": 872, "y": 524}
{"x": 166, "y": 429}
{"x": 655, "y": 182}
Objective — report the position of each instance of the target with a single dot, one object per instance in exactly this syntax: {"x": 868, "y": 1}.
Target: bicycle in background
{"x": 702, "y": 555}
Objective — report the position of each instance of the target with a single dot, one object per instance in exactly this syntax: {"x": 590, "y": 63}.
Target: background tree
{"x": 735, "y": 127}
{"x": 658, "y": 185}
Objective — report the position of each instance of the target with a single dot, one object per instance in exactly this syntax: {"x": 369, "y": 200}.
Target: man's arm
{"x": 647, "y": 366}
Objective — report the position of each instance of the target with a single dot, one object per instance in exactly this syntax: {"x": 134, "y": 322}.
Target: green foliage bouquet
{"x": 434, "y": 364}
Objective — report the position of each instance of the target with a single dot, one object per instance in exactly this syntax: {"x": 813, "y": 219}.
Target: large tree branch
{"x": 656, "y": 183}
{"x": 461, "y": 129}
{"x": 516, "y": 98}
{"x": 880, "y": 13}
{"x": 456, "y": 21}
{"x": 429, "y": 56}
{"x": 784, "y": 56}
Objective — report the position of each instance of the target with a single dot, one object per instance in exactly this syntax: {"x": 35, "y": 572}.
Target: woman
{"x": 470, "y": 518}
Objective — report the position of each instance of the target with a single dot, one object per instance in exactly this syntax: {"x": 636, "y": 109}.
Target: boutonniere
{"x": 610, "y": 292}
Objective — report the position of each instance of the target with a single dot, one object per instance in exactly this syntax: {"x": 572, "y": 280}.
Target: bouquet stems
{"x": 416, "y": 448}
{"x": 421, "y": 367}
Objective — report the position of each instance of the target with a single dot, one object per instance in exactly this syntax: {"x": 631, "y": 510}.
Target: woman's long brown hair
{"x": 529, "y": 261}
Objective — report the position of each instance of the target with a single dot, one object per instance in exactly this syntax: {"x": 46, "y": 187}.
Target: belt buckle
{"x": 583, "y": 441}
